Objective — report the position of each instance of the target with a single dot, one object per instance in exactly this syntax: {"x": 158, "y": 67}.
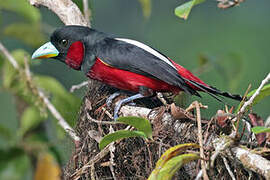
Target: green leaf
{"x": 26, "y": 33}
{"x": 146, "y": 7}
{"x": 141, "y": 124}
{"x": 30, "y": 119}
{"x": 265, "y": 91}
{"x": 183, "y": 10}
{"x": 172, "y": 166}
{"x": 119, "y": 135}
{"x": 260, "y": 129}
{"x": 22, "y": 8}
{"x": 174, "y": 151}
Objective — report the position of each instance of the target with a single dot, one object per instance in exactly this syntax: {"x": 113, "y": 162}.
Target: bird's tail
{"x": 214, "y": 92}
{"x": 199, "y": 85}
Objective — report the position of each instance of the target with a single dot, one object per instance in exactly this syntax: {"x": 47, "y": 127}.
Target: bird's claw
{"x": 123, "y": 101}
{"x": 110, "y": 99}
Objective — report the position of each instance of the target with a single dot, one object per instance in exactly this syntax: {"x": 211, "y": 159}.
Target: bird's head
{"x": 66, "y": 44}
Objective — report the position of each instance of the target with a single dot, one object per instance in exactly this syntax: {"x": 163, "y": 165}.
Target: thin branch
{"x": 250, "y": 101}
{"x": 199, "y": 175}
{"x": 253, "y": 161}
{"x": 9, "y": 56}
{"x": 94, "y": 160}
{"x": 112, "y": 150}
{"x": 41, "y": 95}
{"x": 102, "y": 122}
{"x": 205, "y": 176}
{"x": 66, "y": 10}
{"x": 92, "y": 172}
{"x": 220, "y": 145}
{"x": 161, "y": 98}
{"x": 228, "y": 168}
{"x": 225, "y": 4}
{"x": 57, "y": 115}
{"x": 78, "y": 86}
{"x": 86, "y": 10}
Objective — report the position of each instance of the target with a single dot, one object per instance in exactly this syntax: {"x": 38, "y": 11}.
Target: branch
{"x": 205, "y": 176}
{"x": 253, "y": 161}
{"x": 225, "y": 4}
{"x": 62, "y": 122}
{"x": 9, "y": 56}
{"x": 250, "y": 101}
{"x": 41, "y": 95}
{"x": 228, "y": 168}
{"x": 78, "y": 86}
{"x": 86, "y": 10}
{"x": 66, "y": 10}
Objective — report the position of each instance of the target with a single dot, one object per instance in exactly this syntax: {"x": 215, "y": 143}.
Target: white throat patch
{"x": 148, "y": 49}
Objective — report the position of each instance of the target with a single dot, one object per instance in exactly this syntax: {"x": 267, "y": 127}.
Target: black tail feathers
{"x": 226, "y": 94}
{"x": 214, "y": 92}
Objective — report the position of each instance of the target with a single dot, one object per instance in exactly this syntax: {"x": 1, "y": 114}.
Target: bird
{"x": 123, "y": 63}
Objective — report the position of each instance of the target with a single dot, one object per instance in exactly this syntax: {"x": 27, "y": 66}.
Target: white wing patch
{"x": 148, "y": 49}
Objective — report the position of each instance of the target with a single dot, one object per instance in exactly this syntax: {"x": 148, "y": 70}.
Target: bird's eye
{"x": 63, "y": 42}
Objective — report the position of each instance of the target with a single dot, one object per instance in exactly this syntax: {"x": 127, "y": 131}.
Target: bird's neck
{"x": 75, "y": 55}
{"x": 81, "y": 51}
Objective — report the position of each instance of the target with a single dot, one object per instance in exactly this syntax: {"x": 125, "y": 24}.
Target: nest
{"x": 134, "y": 158}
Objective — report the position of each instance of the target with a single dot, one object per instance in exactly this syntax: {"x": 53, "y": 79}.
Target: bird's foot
{"x": 124, "y": 101}
{"x": 111, "y": 98}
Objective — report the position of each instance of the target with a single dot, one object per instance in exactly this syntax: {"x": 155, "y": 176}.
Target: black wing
{"x": 126, "y": 56}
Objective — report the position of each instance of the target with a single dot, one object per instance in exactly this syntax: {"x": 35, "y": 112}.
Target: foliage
{"x": 260, "y": 129}
{"x": 265, "y": 92}
{"x": 112, "y": 137}
{"x": 30, "y": 140}
{"x": 26, "y": 33}
{"x": 14, "y": 164}
{"x": 172, "y": 160}
{"x": 142, "y": 125}
{"x": 183, "y": 10}
{"x": 30, "y": 13}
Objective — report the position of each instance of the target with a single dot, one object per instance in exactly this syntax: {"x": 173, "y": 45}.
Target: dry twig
{"x": 86, "y": 10}
{"x": 225, "y": 4}
{"x": 228, "y": 168}
{"x": 112, "y": 150}
{"x": 205, "y": 176}
{"x": 78, "y": 86}
{"x": 9, "y": 56}
{"x": 251, "y": 99}
{"x": 252, "y": 161}
{"x": 66, "y": 10}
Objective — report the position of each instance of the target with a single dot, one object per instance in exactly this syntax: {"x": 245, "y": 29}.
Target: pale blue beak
{"x": 47, "y": 50}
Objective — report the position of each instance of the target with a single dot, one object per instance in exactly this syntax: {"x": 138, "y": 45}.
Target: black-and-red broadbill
{"x": 122, "y": 63}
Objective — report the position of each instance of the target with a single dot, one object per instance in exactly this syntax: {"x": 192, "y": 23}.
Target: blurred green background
{"x": 228, "y": 49}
